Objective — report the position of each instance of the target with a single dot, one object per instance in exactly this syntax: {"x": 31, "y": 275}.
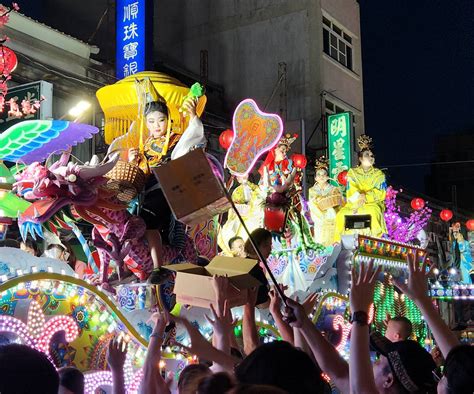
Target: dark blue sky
{"x": 418, "y": 67}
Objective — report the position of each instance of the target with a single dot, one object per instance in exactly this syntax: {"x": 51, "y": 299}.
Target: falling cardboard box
{"x": 193, "y": 284}
{"x": 192, "y": 190}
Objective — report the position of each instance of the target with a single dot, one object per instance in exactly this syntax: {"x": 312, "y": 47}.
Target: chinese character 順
{"x": 130, "y": 11}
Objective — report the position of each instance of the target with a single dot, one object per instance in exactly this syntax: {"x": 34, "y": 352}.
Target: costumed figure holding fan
{"x": 324, "y": 201}
{"x": 366, "y": 189}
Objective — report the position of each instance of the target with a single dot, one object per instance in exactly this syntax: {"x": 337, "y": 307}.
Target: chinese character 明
{"x": 130, "y": 50}
{"x": 338, "y": 151}
{"x": 126, "y": 70}
{"x": 133, "y": 68}
{"x": 130, "y": 31}
{"x": 338, "y": 127}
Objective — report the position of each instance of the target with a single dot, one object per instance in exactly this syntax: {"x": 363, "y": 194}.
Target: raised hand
{"x": 116, "y": 354}
{"x": 310, "y": 302}
{"x": 189, "y": 107}
{"x": 363, "y": 286}
{"x": 417, "y": 285}
{"x": 222, "y": 323}
{"x": 296, "y": 312}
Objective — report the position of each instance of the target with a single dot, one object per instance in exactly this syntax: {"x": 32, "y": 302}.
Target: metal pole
{"x": 257, "y": 250}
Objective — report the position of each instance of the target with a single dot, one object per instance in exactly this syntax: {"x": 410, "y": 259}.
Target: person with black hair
{"x": 263, "y": 240}
{"x": 458, "y": 373}
{"x": 71, "y": 381}
{"x": 399, "y": 328}
{"x": 163, "y": 143}
{"x": 281, "y": 365}
{"x": 24, "y": 370}
{"x": 237, "y": 246}
{"x": 29, "y": 246}
{"x": 191, "y": 376}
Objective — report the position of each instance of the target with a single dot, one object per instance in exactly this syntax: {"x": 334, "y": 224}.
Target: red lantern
{"x": 470, "y": 224}
{"x": 274, "y": 219}
{"x": 225, "y": 139}
{"x": 446, "y": 215}
{"x": 342, "y": 178}
{"x": 8, "y": 61}
{"x": 417, "y": 204}
{"x": 299, "y": 160}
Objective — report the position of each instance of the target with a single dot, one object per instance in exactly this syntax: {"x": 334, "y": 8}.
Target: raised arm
{"x": 326, "y": 355}
{"x": 417, "y": 290}
{"x": 361, "y": 297}
{"x": 152, "y": 379}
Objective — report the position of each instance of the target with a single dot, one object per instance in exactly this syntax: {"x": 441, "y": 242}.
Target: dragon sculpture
{"x": 117, "y": 234}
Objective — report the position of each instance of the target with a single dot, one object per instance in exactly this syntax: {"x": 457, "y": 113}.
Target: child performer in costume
{"x": 162, "y": 145}
{"x": 322, "y": 214}
{"x": 366, "y": 190}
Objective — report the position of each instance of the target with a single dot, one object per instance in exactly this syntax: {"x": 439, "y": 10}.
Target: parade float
{"x": 349, "y": 217}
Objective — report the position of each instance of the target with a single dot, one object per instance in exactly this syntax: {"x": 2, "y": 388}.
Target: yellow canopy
{"x": 120, "y": 103}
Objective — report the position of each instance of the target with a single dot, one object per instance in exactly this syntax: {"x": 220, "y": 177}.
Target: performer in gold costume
{"x": 366, "y": 190}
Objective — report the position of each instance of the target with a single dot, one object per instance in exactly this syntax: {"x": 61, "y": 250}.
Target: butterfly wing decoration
{"x": 34, "y": 140}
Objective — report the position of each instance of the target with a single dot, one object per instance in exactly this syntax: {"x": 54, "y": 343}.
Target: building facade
{"x": 298, "y": 58}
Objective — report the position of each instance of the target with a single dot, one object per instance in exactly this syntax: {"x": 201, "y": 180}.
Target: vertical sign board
{"x": 339, "y": 143}
{"x": 20, "y": 97}
{"x": 133, "y": 36}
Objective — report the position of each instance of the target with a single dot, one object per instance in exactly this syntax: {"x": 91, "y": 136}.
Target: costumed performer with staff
{"x": 366, "y": 189}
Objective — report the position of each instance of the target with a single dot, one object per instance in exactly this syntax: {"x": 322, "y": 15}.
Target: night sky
{"x": 418, "y": 64}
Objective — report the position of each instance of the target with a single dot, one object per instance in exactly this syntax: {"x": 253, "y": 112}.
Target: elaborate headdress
{"x": 364, "y": 142}
{"x": 288, "y": 139}
{"x": 322, "y": 163}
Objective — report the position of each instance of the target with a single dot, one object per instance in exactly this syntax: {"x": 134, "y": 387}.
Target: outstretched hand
{"x": 222, "y": 323}
{"x": 116, "y": 354}
{"x": 363, "y": 286}
{"x": 295, "y": 314}
{"x": 417, "y": 285}
{"x": 310, "y": 302}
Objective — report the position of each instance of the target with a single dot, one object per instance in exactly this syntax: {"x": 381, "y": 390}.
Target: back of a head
{"x": 24, "y": 370}
{"x": 256, "y": 389}
{"x": 259, "y": 236}
{"x": 217, "y": 383}
{"x": 71, "y": 379}
{"x": 191, "y": 376}
{"x": 280, "y": 364}
{"x": 405, "y": 325}
{"x": 459, "y": 370}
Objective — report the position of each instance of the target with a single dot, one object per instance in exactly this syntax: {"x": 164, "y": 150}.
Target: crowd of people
{"x": 304, "y": 361}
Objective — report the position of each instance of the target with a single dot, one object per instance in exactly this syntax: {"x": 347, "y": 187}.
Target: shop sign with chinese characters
{"x": 26, "y": 102}
{"x": 339, "y": 141}
{"x": 132, "y": 29}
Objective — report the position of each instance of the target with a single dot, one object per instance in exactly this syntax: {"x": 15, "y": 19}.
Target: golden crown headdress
{"x": 288, "y": 139}
{"x": 364, "y": 142}
{"x": 322, "y": 163}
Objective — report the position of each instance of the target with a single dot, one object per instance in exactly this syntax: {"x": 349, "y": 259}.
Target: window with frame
{"x": 330, "y": 108}
{"x": 337, "y": 43}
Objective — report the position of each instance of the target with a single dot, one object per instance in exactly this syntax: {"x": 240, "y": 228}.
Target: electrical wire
{"x": 439, "y": 163}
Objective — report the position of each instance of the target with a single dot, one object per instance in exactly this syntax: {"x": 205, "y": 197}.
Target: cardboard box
{"x": 193, "y": 284}
{"x": 192, "y": 190}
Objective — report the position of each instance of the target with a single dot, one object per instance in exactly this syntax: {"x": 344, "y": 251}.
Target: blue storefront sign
{"x": 132, "y": 30}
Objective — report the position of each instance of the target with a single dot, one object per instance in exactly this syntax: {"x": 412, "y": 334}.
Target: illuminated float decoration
{"x": 255, "y": 132}
{"x": 34, "y": 140}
